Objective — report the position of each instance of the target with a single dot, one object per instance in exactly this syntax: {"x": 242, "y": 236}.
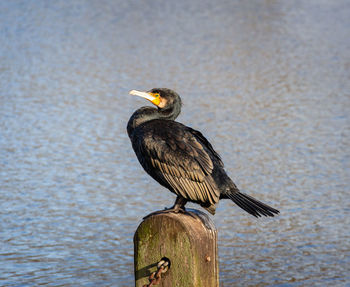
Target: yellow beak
{"x": 154, "y": 98}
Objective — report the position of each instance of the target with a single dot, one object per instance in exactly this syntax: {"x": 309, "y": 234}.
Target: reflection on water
{"x": 266, "y": 82}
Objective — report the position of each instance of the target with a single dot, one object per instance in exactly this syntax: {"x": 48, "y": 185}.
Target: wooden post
{"x": 188, "y": 240}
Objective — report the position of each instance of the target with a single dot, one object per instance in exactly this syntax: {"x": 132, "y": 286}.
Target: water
{"x": 267, "y": 82}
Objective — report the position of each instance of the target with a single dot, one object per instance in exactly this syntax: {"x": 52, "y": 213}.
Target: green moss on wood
{"x": 185, "y": 241}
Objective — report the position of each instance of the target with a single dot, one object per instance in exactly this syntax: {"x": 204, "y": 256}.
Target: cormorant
{"x": 181, "y": 158}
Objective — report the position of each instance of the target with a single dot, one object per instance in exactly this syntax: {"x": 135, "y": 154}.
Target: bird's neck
{"x": 146, "y": 114}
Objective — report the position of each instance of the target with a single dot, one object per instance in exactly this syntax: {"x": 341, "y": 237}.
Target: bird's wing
{"x": 205, "y": 142}
{"x": 181, "y": 159}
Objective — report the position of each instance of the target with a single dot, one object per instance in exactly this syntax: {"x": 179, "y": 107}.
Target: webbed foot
{"x": 174, "y": 209}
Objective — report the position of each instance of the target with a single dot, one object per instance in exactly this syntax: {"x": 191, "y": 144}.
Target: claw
{"x": 167, "y": 210}
{"x": 179, "y": 206}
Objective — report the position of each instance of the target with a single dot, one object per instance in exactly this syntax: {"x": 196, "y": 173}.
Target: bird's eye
{"x": 156, "y": 95}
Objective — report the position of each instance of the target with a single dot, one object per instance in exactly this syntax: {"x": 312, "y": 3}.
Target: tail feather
{"x": 252, "y": 205}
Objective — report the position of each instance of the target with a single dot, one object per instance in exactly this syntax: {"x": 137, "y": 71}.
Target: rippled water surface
{"x": 267, "y": 82}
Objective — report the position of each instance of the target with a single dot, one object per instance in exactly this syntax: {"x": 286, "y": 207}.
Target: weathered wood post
{"x": 188, "y": 240}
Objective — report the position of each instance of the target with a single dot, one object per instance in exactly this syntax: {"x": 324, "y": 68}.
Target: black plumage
{"x": 181, "y": 158}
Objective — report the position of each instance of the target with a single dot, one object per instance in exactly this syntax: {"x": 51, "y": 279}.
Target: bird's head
{"x": 163, "y": 98}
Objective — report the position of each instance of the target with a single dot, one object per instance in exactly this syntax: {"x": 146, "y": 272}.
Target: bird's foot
{"x": 167, "y": 210}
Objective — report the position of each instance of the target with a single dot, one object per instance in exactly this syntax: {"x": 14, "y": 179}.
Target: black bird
{"x": 181, "y": 158}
